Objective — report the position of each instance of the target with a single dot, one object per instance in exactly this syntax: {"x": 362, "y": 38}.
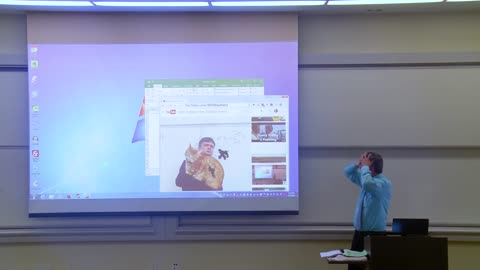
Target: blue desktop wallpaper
{"x": 85, "y": 102}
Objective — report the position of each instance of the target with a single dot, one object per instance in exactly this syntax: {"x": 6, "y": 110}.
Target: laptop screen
{"x": 410, "y": 226}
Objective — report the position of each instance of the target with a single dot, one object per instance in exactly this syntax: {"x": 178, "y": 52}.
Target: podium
{"x": 392, "y": 252}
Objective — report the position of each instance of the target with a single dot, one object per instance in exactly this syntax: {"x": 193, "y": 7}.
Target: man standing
{"x": 373, "y": 203}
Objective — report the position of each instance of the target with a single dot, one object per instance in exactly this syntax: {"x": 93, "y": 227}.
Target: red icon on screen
{"x": 35, "y": 153}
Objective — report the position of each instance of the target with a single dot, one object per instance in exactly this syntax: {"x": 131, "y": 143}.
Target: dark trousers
{"x": 358, "y": 244}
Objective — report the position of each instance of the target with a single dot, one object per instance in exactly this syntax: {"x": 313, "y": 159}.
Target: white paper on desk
{"x": 330, "y": 253}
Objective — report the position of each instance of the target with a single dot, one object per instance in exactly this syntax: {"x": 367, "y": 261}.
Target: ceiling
{"x": 325, "y": 9}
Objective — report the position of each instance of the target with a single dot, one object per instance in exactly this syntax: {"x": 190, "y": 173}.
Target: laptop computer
{"x": 410, "y": 226}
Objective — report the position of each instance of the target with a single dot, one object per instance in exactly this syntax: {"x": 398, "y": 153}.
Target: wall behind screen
{"x": 405, "y": 86}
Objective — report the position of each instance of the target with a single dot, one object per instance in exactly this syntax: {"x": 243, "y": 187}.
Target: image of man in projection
{"x": 200, "y": 171}
{"x": 373, "y": 203}
{"x": 255, "y": 132}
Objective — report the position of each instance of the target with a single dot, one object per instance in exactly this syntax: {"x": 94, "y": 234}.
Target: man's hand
{"x": 364, "y": 160}
{"x": 359, "y": 162}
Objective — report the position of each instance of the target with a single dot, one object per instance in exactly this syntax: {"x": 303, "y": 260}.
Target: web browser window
{"x": 247, "y": 163}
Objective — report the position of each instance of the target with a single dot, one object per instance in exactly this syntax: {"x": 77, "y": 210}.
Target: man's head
{"x": 376, "y": 161}
{"x": 255, "y": 128}
{"x": 268, "y": 129}
{"x": 206, "y": 146}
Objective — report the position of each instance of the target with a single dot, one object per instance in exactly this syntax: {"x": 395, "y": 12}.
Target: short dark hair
{"x": 377, "y": 161}
{"x": 205, "y": 139}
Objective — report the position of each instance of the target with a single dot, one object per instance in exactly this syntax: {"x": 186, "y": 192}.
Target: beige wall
{"x": 394, "y": 33}
{"x": 342, "y": 35}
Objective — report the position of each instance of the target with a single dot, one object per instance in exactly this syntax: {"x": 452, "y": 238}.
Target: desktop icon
{"x": 35, "y": 108}
{"x": 35, "y": 139}
{"x": 36, "y": 153}
{"x": 34, "y": 63}
{"x": 35, "y": 125}
{"x": 34, "y": 79}
{"x": 34, "y": 49}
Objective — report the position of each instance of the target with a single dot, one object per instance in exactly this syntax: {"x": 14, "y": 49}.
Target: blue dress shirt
{"x": 373, "y": 203}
